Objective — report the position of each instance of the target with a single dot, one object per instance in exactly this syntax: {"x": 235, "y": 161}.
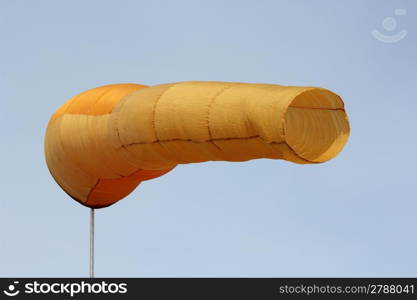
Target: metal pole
{"x": 92, "y": 243}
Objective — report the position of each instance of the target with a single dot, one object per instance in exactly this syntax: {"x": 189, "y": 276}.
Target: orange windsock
{"x": 102, "y": 143}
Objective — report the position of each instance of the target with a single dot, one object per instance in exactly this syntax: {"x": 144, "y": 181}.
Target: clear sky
{"x": 353, "y": 216}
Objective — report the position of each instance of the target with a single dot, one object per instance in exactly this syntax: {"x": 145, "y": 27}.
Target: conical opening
{"x": 316, "y": 125}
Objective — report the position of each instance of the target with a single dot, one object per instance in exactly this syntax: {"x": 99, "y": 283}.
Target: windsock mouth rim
{"x": 316, "y": 126}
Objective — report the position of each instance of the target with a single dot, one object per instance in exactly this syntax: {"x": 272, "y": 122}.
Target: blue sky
{"x": 353, "y": 216}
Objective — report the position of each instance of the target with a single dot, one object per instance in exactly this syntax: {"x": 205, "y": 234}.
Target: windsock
{"x": 102, "y": 143}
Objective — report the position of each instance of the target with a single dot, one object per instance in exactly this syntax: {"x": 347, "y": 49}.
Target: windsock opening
{"x": 316, "y": 125}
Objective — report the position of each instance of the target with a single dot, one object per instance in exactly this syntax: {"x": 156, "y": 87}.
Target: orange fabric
{"x": 101, "y": 101}
{"x": 97, "y": 101}
{"x": 102, "y": 143}
{"x": 106, "y": 190}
